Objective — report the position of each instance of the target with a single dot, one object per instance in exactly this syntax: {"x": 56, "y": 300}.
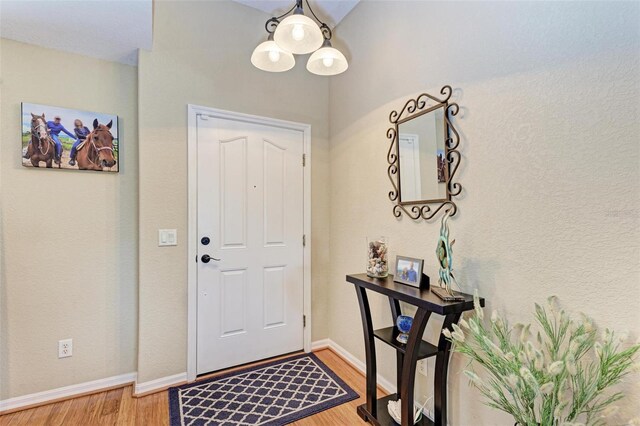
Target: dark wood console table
{"x": 375, "y": 410}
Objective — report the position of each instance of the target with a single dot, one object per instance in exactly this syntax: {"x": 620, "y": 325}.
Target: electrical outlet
{"x": 65, "y": 348}
{"x": 422, "y": 367}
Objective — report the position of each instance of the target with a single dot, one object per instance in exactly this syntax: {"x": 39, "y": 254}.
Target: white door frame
{"x": 415, "y": 154}
{"x": 193, "y": 111}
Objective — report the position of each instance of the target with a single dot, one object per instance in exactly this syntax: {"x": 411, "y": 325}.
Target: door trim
{"x": 193, "y": 111}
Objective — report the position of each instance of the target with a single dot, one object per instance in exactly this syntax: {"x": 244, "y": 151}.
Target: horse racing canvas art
{"x": 61, "y": 138}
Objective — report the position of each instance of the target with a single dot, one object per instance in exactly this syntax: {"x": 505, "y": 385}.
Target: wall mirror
{"x": 423, "y": 156}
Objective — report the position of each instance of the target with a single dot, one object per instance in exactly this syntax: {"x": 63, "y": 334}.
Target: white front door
{"x": 250, "y": 208}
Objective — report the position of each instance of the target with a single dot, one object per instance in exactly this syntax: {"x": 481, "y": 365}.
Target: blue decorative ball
{"x": 404, "y": 323}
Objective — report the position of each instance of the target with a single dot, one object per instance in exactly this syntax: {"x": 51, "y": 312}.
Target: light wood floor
{"x": 118, "y": 407}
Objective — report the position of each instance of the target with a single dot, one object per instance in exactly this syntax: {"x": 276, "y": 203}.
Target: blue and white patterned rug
{"x": 272, "y": 394}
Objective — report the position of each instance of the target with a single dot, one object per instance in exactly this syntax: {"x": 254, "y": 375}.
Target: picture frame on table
{"x": 408, "y": 270}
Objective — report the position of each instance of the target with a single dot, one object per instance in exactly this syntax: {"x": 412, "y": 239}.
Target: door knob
{"x": 206, "y": 258}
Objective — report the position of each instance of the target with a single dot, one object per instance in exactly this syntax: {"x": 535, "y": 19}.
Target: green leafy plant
{"x": 560, "y": 377}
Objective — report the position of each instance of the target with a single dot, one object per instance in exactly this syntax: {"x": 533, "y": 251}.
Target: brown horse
{"x": 42, "y": 147}
{"x": 96, "y": 152}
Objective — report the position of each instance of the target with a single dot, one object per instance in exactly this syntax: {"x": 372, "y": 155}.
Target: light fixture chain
{"x": 326, "y": 31}
{"x": 288, "y": 12}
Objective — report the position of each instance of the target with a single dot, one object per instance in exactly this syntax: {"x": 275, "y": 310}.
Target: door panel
{"x": 250, "y": 205}
{"x": 274, "y": 189}
{"x": 274, "y": 296}
{"x": 232, "y": 294}
{"x": 233, "y": 182}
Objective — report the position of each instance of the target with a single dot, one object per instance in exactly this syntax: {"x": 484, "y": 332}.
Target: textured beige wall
{"x": 550, "y": 122}
{"x": 69, "y": 239}
{"x": 201, "y": 56}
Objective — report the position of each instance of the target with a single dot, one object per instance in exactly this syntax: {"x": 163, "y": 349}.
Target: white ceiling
{"x": 330, "y": 11}
{"x": 111, "y": 30}
{"x": 114, "y": 30}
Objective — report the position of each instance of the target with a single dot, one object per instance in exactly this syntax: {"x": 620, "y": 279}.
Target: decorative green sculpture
{"x": 443, "y": 251}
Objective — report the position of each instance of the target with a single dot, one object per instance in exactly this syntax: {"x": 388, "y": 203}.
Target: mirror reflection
{"x": 423, "y": 168}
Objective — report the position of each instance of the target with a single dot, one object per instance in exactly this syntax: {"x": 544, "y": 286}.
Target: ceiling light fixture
{"x": 298, "y": 34}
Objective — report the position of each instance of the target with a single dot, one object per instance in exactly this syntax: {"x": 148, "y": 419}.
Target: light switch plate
{"x": 167, "y": 237}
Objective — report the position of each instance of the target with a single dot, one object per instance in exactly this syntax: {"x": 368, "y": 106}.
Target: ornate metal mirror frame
{"x": 414, "y": 108}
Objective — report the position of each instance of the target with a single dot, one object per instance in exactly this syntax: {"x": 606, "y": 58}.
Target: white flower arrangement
{"x": 559, "y": 379}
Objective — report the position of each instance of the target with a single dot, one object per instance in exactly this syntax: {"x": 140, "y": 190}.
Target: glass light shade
{"x": 268, "y": 56}
{"x": 327, "y": 61}
{"x": 298, "y": 34}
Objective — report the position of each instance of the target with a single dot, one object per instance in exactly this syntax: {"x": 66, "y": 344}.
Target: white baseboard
{"x": 385, "y": 384}
{"x": 160, "y": 384}
{"x": 65, "y": 392}
{"x": 320, "y": 344}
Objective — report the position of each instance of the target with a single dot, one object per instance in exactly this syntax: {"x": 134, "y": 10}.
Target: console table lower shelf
{"x": 383, "y": 418}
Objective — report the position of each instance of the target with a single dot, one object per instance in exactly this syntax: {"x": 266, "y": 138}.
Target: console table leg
{"x": 395, "y": 313}
{"x": 409, "y": 365}
{"x": 395, "y": 309}
{"x": 399, "y": 366}
{"x": 370, "y": 351}
{"x": 441, "y": 372}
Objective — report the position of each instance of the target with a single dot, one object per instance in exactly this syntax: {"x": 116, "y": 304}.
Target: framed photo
{"x": 62, "y": 138}
{"x": 408, "y": 270}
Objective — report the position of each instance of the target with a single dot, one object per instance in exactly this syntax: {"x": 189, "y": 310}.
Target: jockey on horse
{"x": 81, "y": 133}
{"x": 55, "y": 127}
